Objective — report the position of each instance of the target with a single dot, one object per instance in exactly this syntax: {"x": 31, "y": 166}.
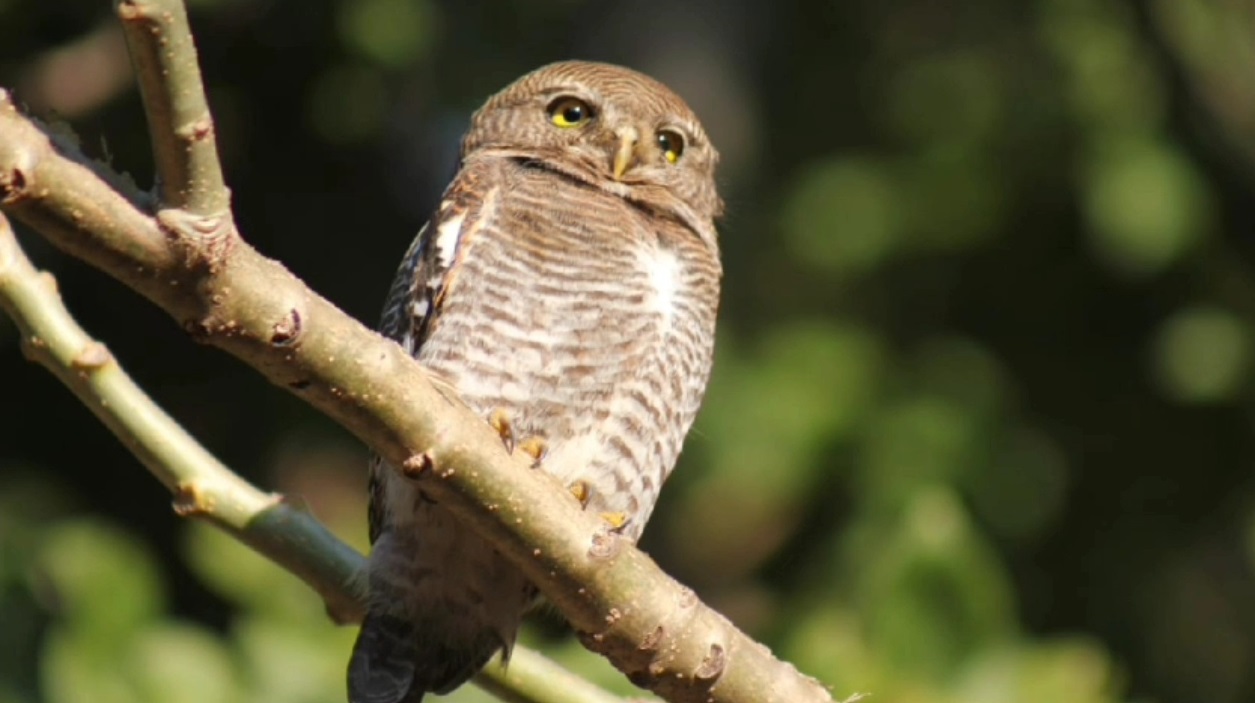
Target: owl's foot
{"x": 616, "y": 521}
{"x": 535, "y": 446}
{"x": 500, "y": 421}
{"x": 583, "y": 493}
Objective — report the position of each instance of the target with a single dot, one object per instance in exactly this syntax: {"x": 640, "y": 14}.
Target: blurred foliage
{"x": 981, "y": 422}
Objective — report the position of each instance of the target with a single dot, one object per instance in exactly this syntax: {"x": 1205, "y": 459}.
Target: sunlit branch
{"x": 194, "y": 264}
{"x": 206, "y": 489}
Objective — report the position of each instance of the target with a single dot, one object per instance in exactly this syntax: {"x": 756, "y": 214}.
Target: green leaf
{"x": 915, "y": 443}
{"x": 79, "y": 668}
{"x": 1075, "y": 670}
{"x": 1202, "y": 355}
{"x": 176, "y": 663}
{"x": 104, "y": 582}
{"x": 931, "y": 591}
{"x": 954, "y": 97}
{"x": 842, "y": 216}
{"x": 956, "y": 199}
{"x": 246, "y": 578}
{"x": 1146, "y": 204}
{"x": 390, "y": 32}
{"x": 766, "y": 422}
{"x": 287, "y": 663}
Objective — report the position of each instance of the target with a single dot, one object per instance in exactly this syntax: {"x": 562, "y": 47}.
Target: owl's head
{"x": 610, "y": 127}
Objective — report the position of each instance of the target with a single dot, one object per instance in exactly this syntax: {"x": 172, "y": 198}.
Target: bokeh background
{"x": 981, "y": 423}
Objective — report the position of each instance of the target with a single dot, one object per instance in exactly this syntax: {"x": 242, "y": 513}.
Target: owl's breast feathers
{"x": 574, "y": 299}
{"x": 587, "y": 316}
{"x": 590, "y": 321}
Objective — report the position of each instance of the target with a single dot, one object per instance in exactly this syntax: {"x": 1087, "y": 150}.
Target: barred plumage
{"x": 568, "y": 281}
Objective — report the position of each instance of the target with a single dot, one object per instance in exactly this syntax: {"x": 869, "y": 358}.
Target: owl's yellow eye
{"x": 570, "y": 112}
{"x": 672, "y": 145}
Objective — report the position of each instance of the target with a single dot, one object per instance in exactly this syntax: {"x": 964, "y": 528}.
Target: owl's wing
{"x": 417, "y": 292}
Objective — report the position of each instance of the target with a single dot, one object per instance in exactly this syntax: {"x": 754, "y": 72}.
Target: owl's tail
{"x": 393, "y": 663}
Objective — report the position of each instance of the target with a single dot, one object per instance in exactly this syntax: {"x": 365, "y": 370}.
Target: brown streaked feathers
{"x": 566, "y": 288}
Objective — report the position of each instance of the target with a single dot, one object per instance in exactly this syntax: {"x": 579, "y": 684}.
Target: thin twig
{"x": 204, "y": 488}
{"x": 182, "y": 130}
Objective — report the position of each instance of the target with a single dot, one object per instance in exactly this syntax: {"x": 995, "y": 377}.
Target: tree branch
{"x": 205, "y": 488}
{"x": 182, "y": 130}
{"x": 196, "y": 267}
{"x": 202, "y": 486}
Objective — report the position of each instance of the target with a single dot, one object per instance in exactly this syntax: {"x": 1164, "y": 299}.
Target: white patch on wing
{"x": 419, "y": 308}
{"x": 664, "y": 278}
{"x": 447, "y": 236}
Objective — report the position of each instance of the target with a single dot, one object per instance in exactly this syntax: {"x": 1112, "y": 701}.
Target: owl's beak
{"x": 625, "y": 155}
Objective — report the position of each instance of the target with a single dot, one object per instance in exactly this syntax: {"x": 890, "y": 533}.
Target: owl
{"x": 566, "y": 289}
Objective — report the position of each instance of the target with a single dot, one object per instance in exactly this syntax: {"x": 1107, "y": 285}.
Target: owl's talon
{"x": 536, "y": 447}
{"x": 616, "y": 521}
{"x": 581, "y": 491}
{"x": 500, "y": 421}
